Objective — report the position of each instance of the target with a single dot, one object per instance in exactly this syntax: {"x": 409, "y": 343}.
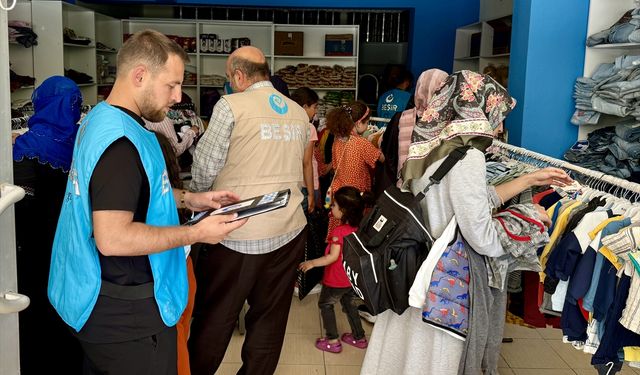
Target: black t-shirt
{"x": 119, "y": 182}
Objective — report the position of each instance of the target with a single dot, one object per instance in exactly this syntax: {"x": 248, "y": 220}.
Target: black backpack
{"x": 383, "y": 256}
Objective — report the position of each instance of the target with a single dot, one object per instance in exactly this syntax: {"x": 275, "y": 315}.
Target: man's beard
{"x": 148, "y": 111}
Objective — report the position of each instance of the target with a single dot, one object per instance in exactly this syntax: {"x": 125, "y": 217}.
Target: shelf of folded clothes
{"x": 612, "y": 89}
{"x": 614, "y": 150}
{"x": 625, "y": 31}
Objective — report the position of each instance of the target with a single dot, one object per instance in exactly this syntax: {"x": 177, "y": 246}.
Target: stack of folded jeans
{"x": 613, "y": 89}
{"x": 592, "y": 157}
{"x": 626, "y": 30}
{"x": 612, "y": 150}
{"x": 626, "y": 149}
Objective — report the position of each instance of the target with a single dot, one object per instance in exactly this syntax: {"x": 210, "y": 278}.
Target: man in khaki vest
{"x": 254, "y": 145}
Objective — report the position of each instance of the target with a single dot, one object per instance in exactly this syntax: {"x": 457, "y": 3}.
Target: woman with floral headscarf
{"x": 397, "y": 136}
{"x": 41, "y": 161}
{"x": 467, "y": 110}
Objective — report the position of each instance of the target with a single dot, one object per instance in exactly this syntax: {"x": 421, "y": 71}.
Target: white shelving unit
{"x": 213, "y": 64}
{"x": 261, "y": 35}
{"x": 202, "y": 61}
{"x": 474, "y": 47}
{"x": 603, "y": 14}
{"x": 20, "y": 57}
{"x": 314, "y": 51}
{"x": 109, "y": 35}
{"x": 52, "y": 55}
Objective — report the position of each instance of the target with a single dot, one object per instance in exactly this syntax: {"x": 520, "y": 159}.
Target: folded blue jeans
{"x": 629, "y": 130}
{"x": 601, "y": 105}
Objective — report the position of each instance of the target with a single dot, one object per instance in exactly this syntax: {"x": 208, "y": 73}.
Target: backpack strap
{"x": 454, "y": 157}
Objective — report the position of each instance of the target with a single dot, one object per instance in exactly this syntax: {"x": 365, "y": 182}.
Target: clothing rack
{"x": 594, "y": 179}
{"x": 21, "y": 122}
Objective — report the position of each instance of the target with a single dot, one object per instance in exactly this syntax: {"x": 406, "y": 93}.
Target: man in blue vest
{"x": 118, "y": 269}
{"x": 397, "y": 99}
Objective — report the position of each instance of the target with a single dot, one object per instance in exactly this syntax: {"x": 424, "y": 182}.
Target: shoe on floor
{"x": 326, "y": 346}
{"x": 349, "y": 339}
{"x": 365, "y": 314}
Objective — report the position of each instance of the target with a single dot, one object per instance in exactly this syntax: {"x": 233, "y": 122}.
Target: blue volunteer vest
{"x": 75, "y": 275}
{"x": 391, "y": 102}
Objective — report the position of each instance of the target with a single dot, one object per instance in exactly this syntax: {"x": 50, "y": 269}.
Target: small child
{"x": 348, "y": 206}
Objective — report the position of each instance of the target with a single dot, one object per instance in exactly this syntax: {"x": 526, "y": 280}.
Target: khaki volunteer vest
{"x": 265, "y": 154}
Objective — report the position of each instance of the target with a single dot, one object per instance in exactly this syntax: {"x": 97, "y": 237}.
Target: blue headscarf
{"x": 53, "y": 126}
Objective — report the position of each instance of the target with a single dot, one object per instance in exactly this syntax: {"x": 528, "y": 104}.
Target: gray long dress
{"x": 403, "y": 344}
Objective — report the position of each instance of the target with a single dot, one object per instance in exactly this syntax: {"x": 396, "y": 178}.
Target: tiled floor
{"x": 532, "y": 352}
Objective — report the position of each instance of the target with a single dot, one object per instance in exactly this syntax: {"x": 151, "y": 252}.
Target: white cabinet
{"x": 481, "y": 44}
{"x": 21, "y": 57}
{"x": 52, "y": 56}
{"x": 602, "y": 15}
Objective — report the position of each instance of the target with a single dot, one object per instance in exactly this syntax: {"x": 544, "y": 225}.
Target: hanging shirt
{"x": 558, "y": 230}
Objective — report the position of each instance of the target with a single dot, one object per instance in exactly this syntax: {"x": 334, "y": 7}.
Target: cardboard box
{"x": 289, "y": 43}
{"x": 338, "y": 45}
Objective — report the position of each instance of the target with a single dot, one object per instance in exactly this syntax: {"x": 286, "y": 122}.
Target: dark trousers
{"x": 348, "y": 299}
{"x": 156, "y": 354}
{"x": 227, "y": 278}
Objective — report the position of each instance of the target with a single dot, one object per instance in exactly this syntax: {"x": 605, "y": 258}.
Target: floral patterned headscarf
{"x": 466, "y": 110}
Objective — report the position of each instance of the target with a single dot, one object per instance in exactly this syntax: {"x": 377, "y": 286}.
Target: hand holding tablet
{"x": 248, "y": 207}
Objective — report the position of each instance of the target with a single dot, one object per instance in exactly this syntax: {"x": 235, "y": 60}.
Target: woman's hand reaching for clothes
{"x": 542, "y": 215}
{"x": 548, "y": 176}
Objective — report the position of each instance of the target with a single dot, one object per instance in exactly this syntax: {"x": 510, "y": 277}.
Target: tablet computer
{"x": 248, "y": 207}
